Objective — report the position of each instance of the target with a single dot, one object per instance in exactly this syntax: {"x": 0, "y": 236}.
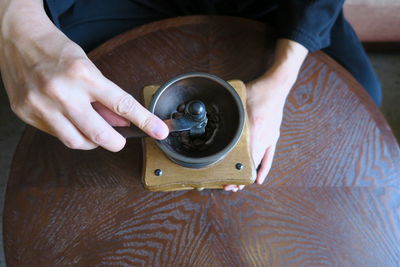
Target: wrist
{"x": 289, "y": 56}
{"x": 276, "y": 82}
{"x": 282, "y": 74}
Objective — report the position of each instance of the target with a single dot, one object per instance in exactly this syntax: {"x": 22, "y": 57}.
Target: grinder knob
{"x": 197, "y": 110}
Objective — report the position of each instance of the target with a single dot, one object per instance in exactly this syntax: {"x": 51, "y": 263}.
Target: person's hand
{"x": 53, "y": 86}
{"x": 264, "y": 106}
{"x": 265, "y": 99}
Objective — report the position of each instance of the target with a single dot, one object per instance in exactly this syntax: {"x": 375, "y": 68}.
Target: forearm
{"x": 289, "y": 56}
{"x": 26, "y": 28}
{"x": 23, "y": 19}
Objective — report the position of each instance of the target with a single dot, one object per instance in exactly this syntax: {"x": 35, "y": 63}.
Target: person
{"x": 53, "y": 86}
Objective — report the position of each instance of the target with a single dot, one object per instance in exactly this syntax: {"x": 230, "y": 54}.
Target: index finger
{"x": 125, "y": 105}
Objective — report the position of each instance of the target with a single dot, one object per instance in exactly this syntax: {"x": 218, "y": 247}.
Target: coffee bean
{"x": 184, "y": 142}
{"x": 181, "y": 108}
{"x": 198, "y": 142}
{"x": 203, "y": 147}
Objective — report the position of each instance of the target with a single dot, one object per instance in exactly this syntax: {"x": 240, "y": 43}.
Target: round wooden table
{"x": 332, "y": 196}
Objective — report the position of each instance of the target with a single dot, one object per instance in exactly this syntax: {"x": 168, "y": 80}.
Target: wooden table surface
{"x": 332, "y": 197}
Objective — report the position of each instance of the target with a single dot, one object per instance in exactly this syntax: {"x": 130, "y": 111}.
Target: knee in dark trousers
{"x": 346, "y": 48}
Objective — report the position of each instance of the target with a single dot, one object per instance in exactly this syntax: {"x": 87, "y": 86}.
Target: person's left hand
{"x": 264, "y": 101}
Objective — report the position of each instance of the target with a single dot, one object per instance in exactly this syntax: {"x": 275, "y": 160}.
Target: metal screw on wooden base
{"x": 158, "y": 172}
{"x": 239, "y": 166}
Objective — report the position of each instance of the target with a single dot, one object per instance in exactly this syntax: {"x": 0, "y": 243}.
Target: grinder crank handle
{"x": 131, "y": 132}
{"x": 195, "y": 122}
{"x": 174, "y": 125}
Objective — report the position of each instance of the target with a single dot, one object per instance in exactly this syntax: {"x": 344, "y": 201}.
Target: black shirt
{"x": 308, "y": 22}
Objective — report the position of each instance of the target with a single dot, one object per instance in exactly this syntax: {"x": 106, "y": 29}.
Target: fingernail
{"x": 161, "y": 131}
{"x": 228, "y": 188}
{"x": 260, "y": 181}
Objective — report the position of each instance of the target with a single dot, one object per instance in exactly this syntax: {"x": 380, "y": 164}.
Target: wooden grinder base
{"x": 176, "y": 177}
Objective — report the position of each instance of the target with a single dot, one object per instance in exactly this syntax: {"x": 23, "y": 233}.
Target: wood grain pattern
{"x": 223, "y": 172}
{"x": 332, "y": 197}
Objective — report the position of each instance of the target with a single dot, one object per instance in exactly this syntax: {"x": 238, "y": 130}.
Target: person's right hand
{"x": 52, "y": 84}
